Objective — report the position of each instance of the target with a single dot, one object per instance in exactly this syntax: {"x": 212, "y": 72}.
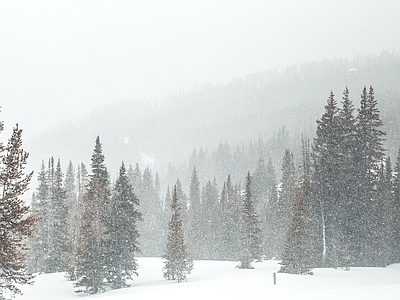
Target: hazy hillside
{"x": 244, "y": 108}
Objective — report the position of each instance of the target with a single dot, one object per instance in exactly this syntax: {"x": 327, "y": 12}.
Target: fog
{"x": 61, "y": 60}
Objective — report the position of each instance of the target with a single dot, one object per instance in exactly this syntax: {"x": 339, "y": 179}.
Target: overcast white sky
{"x": 61, "y": 59}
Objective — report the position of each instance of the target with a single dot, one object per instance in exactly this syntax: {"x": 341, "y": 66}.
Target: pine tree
{"x": 93, "y": 248}
{"x": 250, "y": 240}
{"x": 260, "y": 186}
{"x": 151, "y": 208}
{"x": 60, "y": 222}
{"x": 177, "y": 262}
{"x": 82, "y": 179}
{"x": 229, "y": 236}
{"x": 72, "y": 219}
{"x": 210, "y": 221}
{"x": 270, "y": 215}
{"x": 124, "y": 234}
{"x": 17, "y": 223}
{"x": 326, "y": 173}
{"x": 34, "y": 255}
{"x": 52, "y": 257}
{"x": 396, "y": 210}
{"x": 300, "y": 252}
{"x": 39, "y": 253}
{"x": 195, "y": 207}
{"x": 286, "y": 197}
{"x": 346, "y": 182}
{"x": 369, "y": 156}
{"x": 305, "y": 166}
{"x": 385, "y": 211}
{"x": 183, "y": 201}
{"x": 90, "y": 271}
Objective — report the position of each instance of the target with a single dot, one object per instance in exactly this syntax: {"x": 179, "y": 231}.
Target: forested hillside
{"x": 315, "y": 193}
{"x": 243, "y": 109}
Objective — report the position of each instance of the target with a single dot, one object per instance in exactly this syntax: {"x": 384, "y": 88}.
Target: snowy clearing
{"x": 221, "y": 280}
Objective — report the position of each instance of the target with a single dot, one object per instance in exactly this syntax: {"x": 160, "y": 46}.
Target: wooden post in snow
{"x": 274, "y": 278}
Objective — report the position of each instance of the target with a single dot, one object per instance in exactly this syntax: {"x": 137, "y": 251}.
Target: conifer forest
{"x": 232, "y": 137}
{"x": 335, "y": 204}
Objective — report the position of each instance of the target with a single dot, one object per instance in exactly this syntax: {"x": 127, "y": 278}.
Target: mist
{"x": 62, "y": 60}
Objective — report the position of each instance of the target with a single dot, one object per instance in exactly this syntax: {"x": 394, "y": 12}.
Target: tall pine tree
{"x": 250, "y": 233}
{"x": 17, "y": 223}
{"x": 124, "y": 234}
{"x": 177, "y": 261}
{"x": 93, "y": 262}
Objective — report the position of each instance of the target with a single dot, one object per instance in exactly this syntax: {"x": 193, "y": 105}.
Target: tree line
{"x": 337, "y": 206}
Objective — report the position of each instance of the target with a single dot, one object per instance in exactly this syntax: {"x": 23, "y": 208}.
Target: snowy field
{"x": 221, "y": 280}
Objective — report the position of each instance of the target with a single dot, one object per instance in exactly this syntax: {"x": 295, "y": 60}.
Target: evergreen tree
{"x": 39, "y": 253}
{"x": 124, "y": 234}
{"x": 300, "y": 252}
{"x": 52, "y": 258}
{"x": 72, "y": 219}
{"x": 82, "y": 181}
{"x": 385, "y": 211}
{"x": 369, "y": 155}
{"x": 260, "y": 186}
{"x": 250, "y": 241}
{"x": 60, "y": 222}
{"x": 305, "y": 166}
{"x": 346, "y": 182}
{"x": 183, "y": 201}
{"x": 177, "y": 262}
{"x": 210, "y": 221}
{"x": 270, "y": 215}
{"x": 151, "y": 208}
{"x": 165, "y": 215}
{"x": 326, "y": 173}
{"x": 17, "y": 223}
{"x": 90, "y": 270}
{"x": 396, "y": 210}
{"x": 230, "y": 219}
{"x": 93, "y": 248}
{"x": 286, "y": 197}
{"x": 195, "y": 230}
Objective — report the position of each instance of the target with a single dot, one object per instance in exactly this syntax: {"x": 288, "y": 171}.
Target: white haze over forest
{"x": 61, "y": 60}
{"x": 159, "y": 80}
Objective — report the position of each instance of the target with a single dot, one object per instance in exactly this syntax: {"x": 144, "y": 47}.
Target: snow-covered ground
{"x": 221, "y": 280}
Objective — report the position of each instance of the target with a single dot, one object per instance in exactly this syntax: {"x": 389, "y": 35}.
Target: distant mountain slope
{"x": 239, "y": 110}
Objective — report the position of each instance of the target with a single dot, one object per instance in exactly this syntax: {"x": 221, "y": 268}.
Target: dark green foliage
{"x": 210, "y": 221}
{"x": 147, "y": 190}
{"x": 123, "y": 232}
{"x": 348, "y": 155}
{"x": 91, "y": 272}
{"x": 326, "y": 162}
{"x": 369, "y": 155}
{"x": 250, "y": 233}
{"x": 385, "y": 210}
{"x": 286, "y": 196}
{"x": 300, "y": 252}
{"x": 60, "y": 222}
{"x": 93, "y": 249}
{"x": 396, "y": 210}
{"x": 230, "y": 222}
{"x": 40, "y": 242}
{"x": 265, "y": 199}
{"x": 177, "y": 262}
{"x": 17, "y": 223}
{"x": 195, "y": 230}
{"x": 73, "y": 220}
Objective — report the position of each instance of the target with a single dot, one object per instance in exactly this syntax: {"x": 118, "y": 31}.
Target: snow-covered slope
{"x": 221, "y": 280}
